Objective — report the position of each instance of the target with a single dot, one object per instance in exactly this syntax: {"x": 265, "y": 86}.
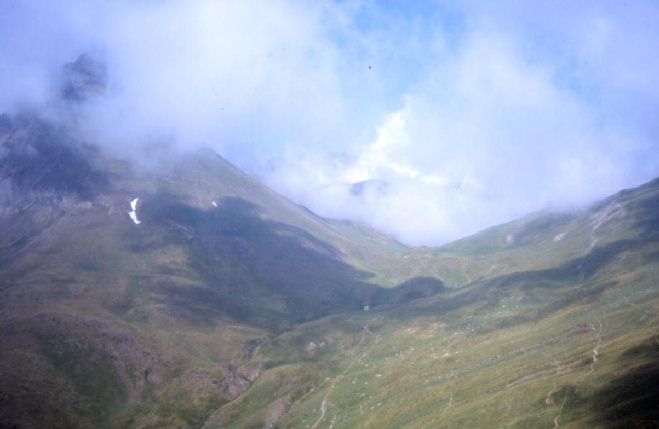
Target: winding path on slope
{"x": 323, "y": 405}
{"x": 595, "y": 359}
{"x": 595, "y": 351}
{"x": 560, "y": 411}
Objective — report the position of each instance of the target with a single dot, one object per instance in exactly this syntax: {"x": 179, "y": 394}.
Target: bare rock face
{"x": 310, "y": 348}
{"x": 250, "y": 372}
{"x": 235, "y": 385}
{"x": 39, "y": 157}
{"x": 84, "y": 78}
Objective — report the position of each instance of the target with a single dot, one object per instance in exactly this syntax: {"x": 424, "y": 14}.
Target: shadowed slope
{"x": 107, "y": 322}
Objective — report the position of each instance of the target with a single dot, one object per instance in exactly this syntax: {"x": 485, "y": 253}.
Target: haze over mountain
{"x": 148, "y": 282}
{"x": 187, "y": 294}
{"x": 474, "y": 115}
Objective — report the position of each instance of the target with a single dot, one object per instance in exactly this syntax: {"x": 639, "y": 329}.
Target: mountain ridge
{"x": 220, "y": 303}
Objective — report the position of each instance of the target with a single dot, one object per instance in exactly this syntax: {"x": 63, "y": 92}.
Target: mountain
{"x": 180, "y": 292}
{"x": 566, "y": 336}
{"x": 104, "y": 266}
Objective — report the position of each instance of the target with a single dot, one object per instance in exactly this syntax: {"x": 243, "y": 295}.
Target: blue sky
{"x": 458, "y": 114}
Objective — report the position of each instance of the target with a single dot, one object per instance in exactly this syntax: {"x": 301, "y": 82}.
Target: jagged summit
{"x": 84, "y": 78}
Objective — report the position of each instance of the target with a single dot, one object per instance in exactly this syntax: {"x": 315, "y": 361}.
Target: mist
{"x": 451, "y": 116}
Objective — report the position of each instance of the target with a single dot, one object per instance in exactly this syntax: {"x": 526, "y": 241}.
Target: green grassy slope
{"x": 574, "y": 346}
{"x": 109, "y": 323}
{"x": 538, "y": 241}
{"x": 230, "y": 306}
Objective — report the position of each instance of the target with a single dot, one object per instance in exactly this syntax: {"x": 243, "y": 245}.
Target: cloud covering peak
{"x": 452, "y": 116}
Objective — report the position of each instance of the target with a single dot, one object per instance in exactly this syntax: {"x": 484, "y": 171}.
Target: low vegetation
{"x": 229, "y": 306}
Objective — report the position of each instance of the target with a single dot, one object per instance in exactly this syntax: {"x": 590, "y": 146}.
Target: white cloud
{"x": 248, "y": 77}
{"x": 486, "y": 136}
{"x": 461, "y": 114}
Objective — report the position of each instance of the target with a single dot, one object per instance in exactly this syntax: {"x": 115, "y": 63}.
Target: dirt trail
{"x": 596, "y": 349}
{"x": 450, "y": 402}
{"x": 560, "y": 411}
{"x": 549, "y": 400}
{"x": 323, "y": 405}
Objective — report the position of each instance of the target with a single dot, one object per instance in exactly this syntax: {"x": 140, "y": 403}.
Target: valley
{"x": 192, "y": 296}
{"x": 335, "y": 214}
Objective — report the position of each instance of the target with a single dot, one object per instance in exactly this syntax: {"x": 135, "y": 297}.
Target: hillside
{"x": 575, "y": 345}
{"x": 105, "y": 265}
{"x": 538, "y": 241}
{"x": 181, "y": 292}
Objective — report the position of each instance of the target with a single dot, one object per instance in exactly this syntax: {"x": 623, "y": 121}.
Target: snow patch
{"x": 560, "y": 236}
{"x": 133, "y": 213}
{"x": 214, "y": 204}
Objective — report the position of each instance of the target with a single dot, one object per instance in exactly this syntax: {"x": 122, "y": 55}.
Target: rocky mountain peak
{"x": 84, "y": 78}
